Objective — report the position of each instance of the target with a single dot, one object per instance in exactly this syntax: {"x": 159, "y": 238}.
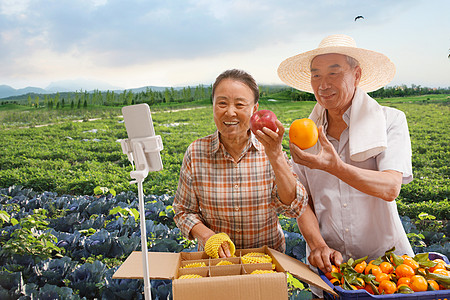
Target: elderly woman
{"x": 234, "y": 182}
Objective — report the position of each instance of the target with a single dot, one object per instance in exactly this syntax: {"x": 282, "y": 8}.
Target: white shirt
{"x": 352, "y": 222}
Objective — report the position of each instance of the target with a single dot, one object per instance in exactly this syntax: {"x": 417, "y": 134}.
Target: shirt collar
{"x": 215, "y": 142}
{"x": 252, "y": 143}
{"x": 345, "y": 117}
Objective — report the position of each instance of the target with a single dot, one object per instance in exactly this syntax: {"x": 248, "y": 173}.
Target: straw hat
{"x": 377, "y": 69}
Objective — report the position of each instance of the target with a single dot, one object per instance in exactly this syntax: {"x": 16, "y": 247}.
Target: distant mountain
{"x": 153, "y": 88}
{"x": 58, "y": 86}
{"x": 78, "y": 85}
{"x": 7, "y": 91}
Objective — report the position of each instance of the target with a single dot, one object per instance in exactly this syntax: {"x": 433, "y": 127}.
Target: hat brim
{"x": 377, "y": 69}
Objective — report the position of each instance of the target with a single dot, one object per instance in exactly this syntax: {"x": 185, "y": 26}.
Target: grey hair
{"x": 353, "y": 63}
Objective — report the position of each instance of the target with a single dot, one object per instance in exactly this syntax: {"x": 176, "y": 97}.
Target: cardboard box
{"x": 222, "y": 282}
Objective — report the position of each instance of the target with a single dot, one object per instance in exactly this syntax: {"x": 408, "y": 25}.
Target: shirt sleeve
{"x": 397, "y": 155}
{"x": 185, "y": 204}
{"x": 298, "y": 206}
{"x": 299, "y": 170}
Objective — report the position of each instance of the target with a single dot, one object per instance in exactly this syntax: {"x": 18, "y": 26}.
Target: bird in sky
{"x": 359, "y": 17}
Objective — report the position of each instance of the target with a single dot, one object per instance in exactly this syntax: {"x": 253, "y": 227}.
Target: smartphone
{"x": 139, "y": 126}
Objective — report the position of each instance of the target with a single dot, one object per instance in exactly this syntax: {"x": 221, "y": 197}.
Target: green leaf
{"x": 405, "y": 290}
{"x": 359, "y": 261}
{"x": 398, "y": 260}
{"x": 135, "y": 213}
{"x": 350, "y": 262}
{"x": 421, "y": 257}
{"x": 4, "y": 216}
{"x": 425, "y": 216}
{"x": 294, "y": 282}
{"x": 100, "y": 190}
{"x": 115, "y": 210}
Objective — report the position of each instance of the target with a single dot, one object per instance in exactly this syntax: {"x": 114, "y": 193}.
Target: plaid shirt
{"x": 238, "y": 198}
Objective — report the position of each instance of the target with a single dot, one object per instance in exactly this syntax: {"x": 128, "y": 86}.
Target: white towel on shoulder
{"x": 367, "y": 128}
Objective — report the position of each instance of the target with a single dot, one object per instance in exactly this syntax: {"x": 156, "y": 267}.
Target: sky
{"x": 135, "y": 43}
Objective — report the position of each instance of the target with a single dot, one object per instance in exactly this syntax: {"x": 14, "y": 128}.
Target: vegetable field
{"x": 68, "y": 215}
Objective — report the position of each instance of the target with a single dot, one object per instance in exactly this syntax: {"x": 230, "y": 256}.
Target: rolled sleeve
{"x": 397, "y": 155}
{"x": 185, "y": 204}
{"x": 298, "y": 205}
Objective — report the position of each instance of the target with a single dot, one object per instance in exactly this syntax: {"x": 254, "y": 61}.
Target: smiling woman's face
{"x": 234, "y": 104}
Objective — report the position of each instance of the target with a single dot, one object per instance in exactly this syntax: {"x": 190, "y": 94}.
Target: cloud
{"x": 102, "y": 38}
{"x": 133, "y": 32}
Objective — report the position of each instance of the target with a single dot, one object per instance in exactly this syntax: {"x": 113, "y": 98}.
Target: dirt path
{"x": 95, "y": 119}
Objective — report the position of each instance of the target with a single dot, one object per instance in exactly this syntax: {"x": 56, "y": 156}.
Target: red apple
{"x": 263, "y": 118}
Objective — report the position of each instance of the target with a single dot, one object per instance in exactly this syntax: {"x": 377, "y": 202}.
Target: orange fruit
{"x": 368, "y": 288}
{"x": 361, "y": 267}
{"x": 334, "y": 269}
{"x": 386, "y": 267}
{"x": 334, "y": 281}
{"x": 387, "y": 287}
{"x": 434, "y": 284}
{"x": 440, "y": 265}
{"x": 418, "y": 283}
{"x": 368, "y": 268}
{"x": 373, "y": 269}
{"x": 404, "y": 280}
{"x": 362, "y": 284}
{"x": 411, "y": 262}
{"x": 303, "y": 133}
{"x": 441, "y": 272}
{"x": 382, "y": 276}
{"x": 404, "y": 271}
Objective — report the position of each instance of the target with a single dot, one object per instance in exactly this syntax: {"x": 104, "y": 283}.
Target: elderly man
{"x": 354, "y": 173}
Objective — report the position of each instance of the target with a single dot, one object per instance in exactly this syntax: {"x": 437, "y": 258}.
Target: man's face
{"x": 233, "y": 105}
{"x": 334, "y": 81}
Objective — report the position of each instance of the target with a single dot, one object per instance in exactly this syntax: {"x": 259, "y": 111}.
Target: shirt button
{"x": 346, "y": 229}
{"x": 236, "y": 186}
{"x": 345, "y": 204}
{"x": 236, "y": 208}
{"x": 238, "y": 230}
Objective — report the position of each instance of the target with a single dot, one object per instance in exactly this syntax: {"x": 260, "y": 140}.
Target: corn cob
{"x": 224, "y": 263}
{"x": 214, "y": 242}
{"x": 254, "y": 254}
{"x": 190, "y": 276}
{"x": 256, "y": 258}
{"x": 195, "y": 265}
{"x": 262, "y": 271}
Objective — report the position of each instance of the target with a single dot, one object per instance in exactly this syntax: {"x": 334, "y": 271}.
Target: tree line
{"x": 384, "y": 92}
{"x": 83, "y": 99}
